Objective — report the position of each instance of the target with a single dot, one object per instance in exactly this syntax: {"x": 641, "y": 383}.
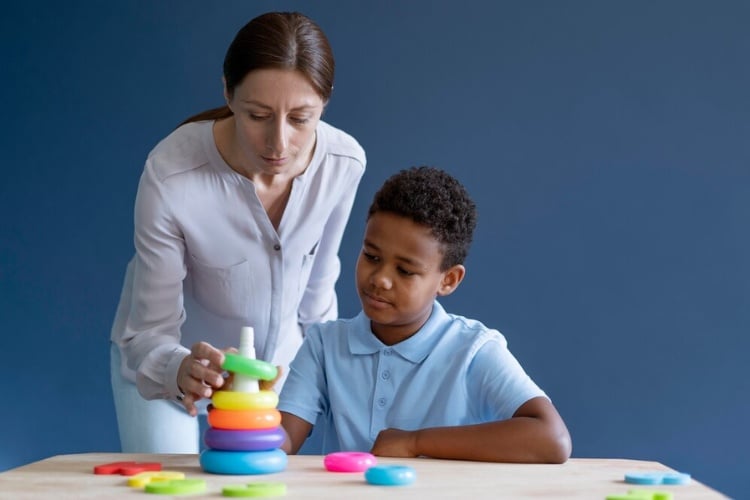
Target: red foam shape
{"x": 126, "y": 468}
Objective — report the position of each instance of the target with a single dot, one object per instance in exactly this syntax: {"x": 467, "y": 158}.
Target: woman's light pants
{"x": 157, "y": 426}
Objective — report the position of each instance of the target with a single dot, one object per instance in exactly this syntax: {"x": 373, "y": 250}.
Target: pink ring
{"x": 349, "y": 461}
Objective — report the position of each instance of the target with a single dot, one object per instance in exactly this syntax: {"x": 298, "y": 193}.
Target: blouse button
{"x": 277, "y": 247}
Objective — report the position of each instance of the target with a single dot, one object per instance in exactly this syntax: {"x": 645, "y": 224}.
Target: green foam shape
{"x": 254, "y": 490}
{"x": 177, "y": 487}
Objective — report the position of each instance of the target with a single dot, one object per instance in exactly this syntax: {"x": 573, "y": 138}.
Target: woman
{"x": 238, "y": 220}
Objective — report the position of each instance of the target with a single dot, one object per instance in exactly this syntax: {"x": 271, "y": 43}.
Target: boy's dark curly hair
{"x": 432, "y": 198}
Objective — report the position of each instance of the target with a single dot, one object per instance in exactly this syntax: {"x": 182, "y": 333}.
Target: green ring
{"x": 254, "y": 490}
{"x": 254, "y": 368}
{"x": 176, "y": 487}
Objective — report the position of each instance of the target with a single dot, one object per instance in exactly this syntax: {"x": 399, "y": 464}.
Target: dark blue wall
{"x": 606, "y": 144}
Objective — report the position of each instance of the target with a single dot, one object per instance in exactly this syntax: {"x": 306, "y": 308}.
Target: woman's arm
{"x": 150, "y": 340}
{"x": 535, "y": 434}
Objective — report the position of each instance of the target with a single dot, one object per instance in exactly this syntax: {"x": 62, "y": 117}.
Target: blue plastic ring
{"x": 243, "y": 462}
{"x": 244, "y": 440}
{"x": 390, "y": 475}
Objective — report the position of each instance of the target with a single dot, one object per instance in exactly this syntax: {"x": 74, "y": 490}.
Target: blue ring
{"x": 390, "y": 475}
{"x": 243, "y": 462}
{"x": 244, "y": 440}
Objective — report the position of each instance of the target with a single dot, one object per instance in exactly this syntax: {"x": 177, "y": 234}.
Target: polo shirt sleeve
{"x": 497, "y": 383}
{"x": 304, "y": 393}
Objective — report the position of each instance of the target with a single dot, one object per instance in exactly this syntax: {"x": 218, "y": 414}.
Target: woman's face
{"x": 276, "y": 112}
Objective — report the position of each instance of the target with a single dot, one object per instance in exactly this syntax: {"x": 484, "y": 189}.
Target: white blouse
{"x": 208, "y": 260}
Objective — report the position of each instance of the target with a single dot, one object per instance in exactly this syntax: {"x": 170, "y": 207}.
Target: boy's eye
{"x": 369, "y": 256}
{"x": 299, "y": 121}
{"x": 405, "y": 272}
{"x": 256, "y": 117}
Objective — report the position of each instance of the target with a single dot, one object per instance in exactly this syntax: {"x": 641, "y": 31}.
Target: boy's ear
{"x": 451, "y": 279}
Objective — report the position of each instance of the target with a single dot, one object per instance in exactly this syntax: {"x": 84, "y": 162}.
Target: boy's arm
{"x": 296, "y": 430}
{"x": 535, "y": 434}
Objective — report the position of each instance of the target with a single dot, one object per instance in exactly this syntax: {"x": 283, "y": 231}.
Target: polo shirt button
{"x": 381, "y": 402}
{"x": 385, "y": 375}
{"x": 388, "y": 352}
{"x": 277, "y": 247}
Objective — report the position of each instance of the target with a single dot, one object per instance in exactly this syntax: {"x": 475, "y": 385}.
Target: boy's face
{"x": 398, "y": 276}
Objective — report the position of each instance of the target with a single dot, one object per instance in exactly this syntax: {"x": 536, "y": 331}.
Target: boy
{"x": 404, "y": 378}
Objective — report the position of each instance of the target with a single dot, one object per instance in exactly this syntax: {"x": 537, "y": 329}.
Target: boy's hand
{"x": 395, "y": 443}
{"x": 267, "y": 385}
{"x": 264, "y": 385}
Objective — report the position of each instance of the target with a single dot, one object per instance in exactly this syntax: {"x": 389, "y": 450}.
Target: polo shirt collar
{"x": 415, "y": 348}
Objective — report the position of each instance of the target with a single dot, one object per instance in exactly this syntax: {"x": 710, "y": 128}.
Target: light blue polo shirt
{"x": 453, "y": 371}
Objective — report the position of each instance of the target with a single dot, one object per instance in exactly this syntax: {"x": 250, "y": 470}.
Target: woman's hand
{"x": 200, "y": 374}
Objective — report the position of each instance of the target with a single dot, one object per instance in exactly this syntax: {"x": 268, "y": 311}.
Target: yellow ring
{"x": 234, "y": 400}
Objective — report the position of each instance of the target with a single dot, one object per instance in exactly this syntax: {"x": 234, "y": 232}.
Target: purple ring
{"x": 247, "y": 440}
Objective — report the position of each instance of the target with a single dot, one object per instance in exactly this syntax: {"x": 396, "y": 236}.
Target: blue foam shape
{"x": 644, "y": 477}
{"x": 676, "y": 478}
{"x": 657, "y": 477}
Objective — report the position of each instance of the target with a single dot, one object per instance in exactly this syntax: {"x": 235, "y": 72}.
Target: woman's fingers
{"x": 189, "y": 403}
{"x": 199, "y": 373}
{"x": 204, "y": 351}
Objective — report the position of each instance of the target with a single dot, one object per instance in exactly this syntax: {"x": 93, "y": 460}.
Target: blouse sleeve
{"x": 151, "y": 338}
{"x": 319, "y": 302}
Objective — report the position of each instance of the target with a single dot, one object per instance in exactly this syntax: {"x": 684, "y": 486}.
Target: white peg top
{"x": 243, "y": 383}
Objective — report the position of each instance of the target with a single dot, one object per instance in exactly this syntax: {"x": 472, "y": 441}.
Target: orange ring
{"x": 244, "y": 419}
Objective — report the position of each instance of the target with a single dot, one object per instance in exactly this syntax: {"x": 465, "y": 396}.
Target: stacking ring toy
{"x": 390, "y": 475}
{"x": 233, "y": 400}
{"x": 244, "y": 419}
{"x": 254, "y": 490}
{"x": 254, "y": 368}
{"x": 243, "y": 462}
{"x": 349, "y": 461}
{"x": 177, "y": 487}
{"x": 244, "y": 440}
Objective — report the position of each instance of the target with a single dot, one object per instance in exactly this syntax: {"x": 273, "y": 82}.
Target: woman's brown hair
{"x": 276, "y": 40}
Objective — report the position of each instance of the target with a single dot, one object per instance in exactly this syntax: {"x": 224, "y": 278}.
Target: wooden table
{"x": 71, "y": 476}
